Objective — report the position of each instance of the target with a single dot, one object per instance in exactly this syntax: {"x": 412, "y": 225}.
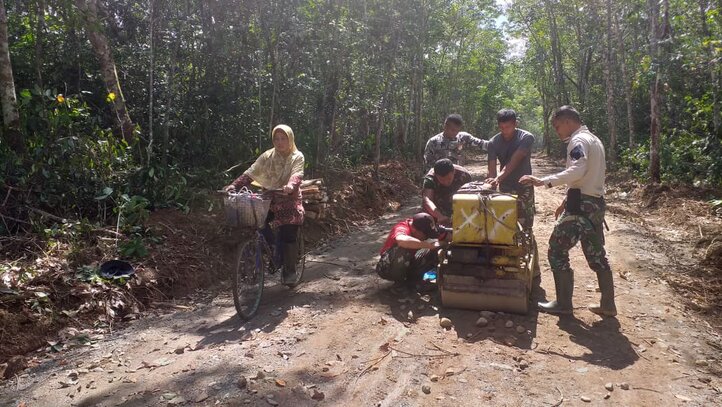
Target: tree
{"x": 8, "y": 98}
{"x": 626, "y": 82}
{"x": 93, "y": 28}
{"x": 655, "y": 99}
{"x": 556, "y": 48}
{"x": 608, "y": 66}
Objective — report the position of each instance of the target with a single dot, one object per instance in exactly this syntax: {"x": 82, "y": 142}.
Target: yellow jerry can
{"x": 484, "y": 218}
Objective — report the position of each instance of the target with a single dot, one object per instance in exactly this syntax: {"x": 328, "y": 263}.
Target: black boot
{"x": 290, "y": 260}
{"x": 564, "y": 283}
{"x": 606, "y": 308}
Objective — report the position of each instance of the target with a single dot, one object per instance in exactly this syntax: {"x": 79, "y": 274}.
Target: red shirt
{"x": 400, "y": 229}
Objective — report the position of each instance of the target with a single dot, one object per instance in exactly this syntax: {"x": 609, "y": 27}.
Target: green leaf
{"x": 106, "y": 193}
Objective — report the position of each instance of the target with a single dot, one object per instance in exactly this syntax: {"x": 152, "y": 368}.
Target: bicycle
{"x": 255, "y": 259}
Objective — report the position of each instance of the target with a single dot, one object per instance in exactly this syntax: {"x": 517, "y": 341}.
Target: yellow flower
{"x": 60, "y": 98}
{"x": 111, "y": 97}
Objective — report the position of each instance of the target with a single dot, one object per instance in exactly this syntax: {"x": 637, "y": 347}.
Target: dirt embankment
{"x": 47, "y": 291}
{"x": 680, "y": 219}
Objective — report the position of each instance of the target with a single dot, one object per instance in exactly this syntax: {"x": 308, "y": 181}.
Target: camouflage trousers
{"x": 399, "y": 264}
{"x": 525, "y": 204}
{"x": 586, "y": 228}
{"x": 526, "y": 210}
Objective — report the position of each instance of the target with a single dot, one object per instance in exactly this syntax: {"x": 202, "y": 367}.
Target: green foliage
{"x": 684, "y": 160}
{"x": 224, "y": 74}
{"x": 636, "y": 161}
{"x": 133, "y": 248}
{"x": 161, "y": 186}
{"x": 87, "y": 274}
{"x": 132, "y": 212}
{"x": 69, "y": 158}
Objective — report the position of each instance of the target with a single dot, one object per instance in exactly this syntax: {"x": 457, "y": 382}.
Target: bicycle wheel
{"x": 301, "y": 263}
{"x": 248, "y": 278}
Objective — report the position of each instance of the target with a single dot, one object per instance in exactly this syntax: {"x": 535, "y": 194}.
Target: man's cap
{"x": 423, "y": 222}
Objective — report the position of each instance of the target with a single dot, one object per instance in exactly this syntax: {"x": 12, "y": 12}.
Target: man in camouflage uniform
{"x": 582, "y": 214}
{"x": 450, "y": 143}
{"x": 512, "y": 148}
{"x": 438, "y": 189}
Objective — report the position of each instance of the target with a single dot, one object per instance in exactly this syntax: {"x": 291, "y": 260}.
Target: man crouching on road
{"x": 439, "y": 187}
{"x": 407, "y": 254}
{"x": 582, "y": 214}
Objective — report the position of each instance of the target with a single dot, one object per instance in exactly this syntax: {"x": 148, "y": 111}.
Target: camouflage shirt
{"x": 439, "y": 147}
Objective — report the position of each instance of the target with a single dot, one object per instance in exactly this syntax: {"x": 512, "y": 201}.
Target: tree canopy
{"x": 104, "y": 99}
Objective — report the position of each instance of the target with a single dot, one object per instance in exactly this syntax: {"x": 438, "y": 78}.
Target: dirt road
{"x": 345, "y": 339}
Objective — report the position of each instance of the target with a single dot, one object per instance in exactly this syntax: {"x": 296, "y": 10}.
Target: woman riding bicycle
{"x": 280, "y": 170}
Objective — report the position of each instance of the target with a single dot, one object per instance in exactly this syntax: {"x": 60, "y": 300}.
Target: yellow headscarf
{"x": 271, "y": 169}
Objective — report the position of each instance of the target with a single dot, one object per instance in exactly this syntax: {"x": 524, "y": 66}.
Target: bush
{"x": 74, "y": 168}
{"x": 684, "y": 158}
{"x": 70, "y": 159}
{"x": 636, "y": 161}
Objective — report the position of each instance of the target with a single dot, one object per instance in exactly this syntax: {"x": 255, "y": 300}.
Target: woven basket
{"x": 246, "y": 209}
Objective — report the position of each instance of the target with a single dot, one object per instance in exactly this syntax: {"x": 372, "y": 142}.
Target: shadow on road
{"x": 607, "y": 345}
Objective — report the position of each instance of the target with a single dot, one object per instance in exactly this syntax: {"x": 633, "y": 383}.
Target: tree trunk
{"x": 39, "y": 28}
{"x": 408, "y": 113}
{"x": 558, "y": 66}
{"x": 380, "y": 129}
{"x": 89, "y": 9}
{"x": 626, "y": 80}
{"x": 151, "y": 70}
{"x": 547, "y": 143}
{"x": 169, "y": 104}
{"x": 418, "y": 100}
{"x": 655, "y": 98}
{"x": 419, "y": 82}
{"x": 274, "y": 90}
{"x": 329, "y": 107}
{"x": 608, "y": 65}
{"x": 11, "y": 115}
{"x": 586, "y": 41}
{"x": 320, "y": 135}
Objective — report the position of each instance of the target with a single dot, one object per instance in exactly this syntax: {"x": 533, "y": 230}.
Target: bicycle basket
{"x": 246, "y": 209}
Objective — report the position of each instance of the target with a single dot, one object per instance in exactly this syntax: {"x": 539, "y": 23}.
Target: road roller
{"x": 488, "y": 263}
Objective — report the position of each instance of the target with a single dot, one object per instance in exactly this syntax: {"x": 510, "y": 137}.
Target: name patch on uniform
{"x": 576, "y": 153}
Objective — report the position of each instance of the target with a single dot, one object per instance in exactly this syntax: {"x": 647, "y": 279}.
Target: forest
{"x": 107, "y": 100}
